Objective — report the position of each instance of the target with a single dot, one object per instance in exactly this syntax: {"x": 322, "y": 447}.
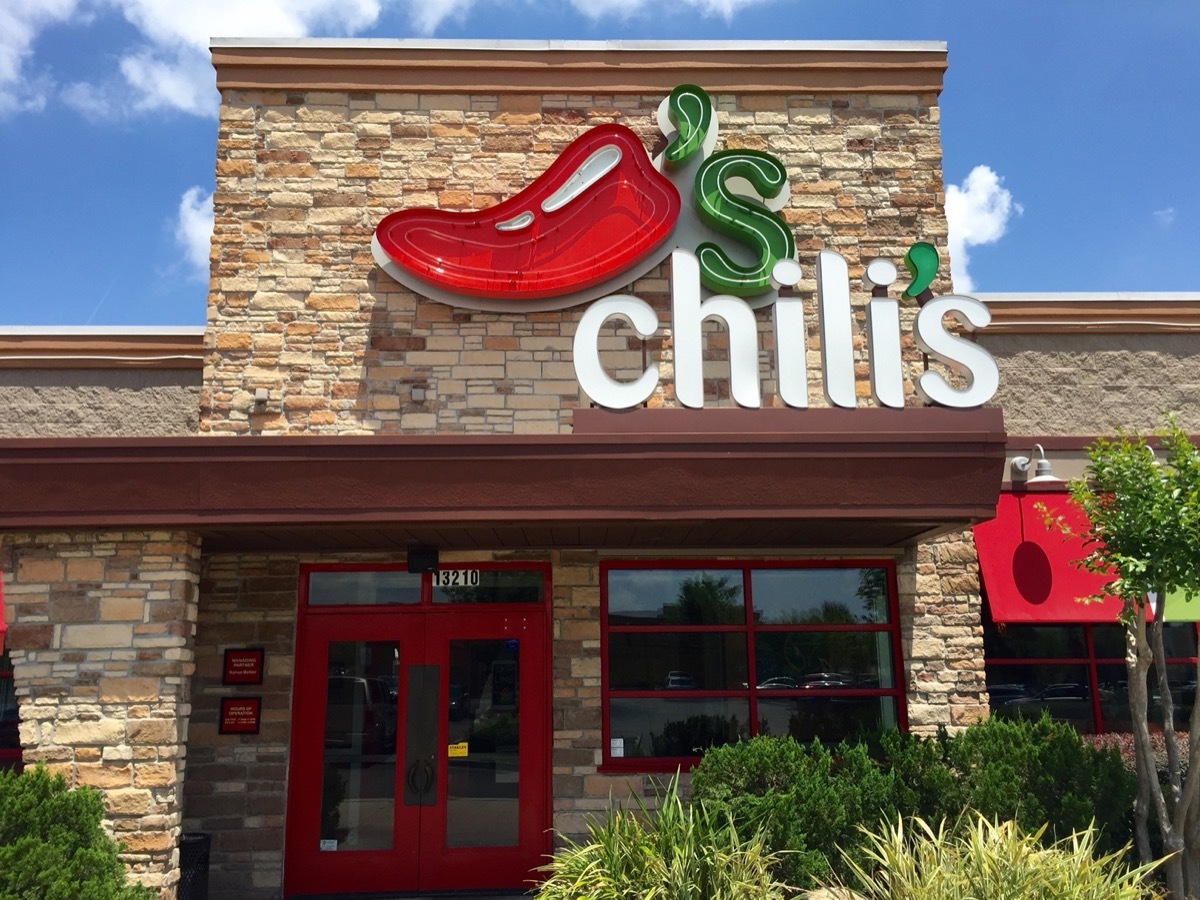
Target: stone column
{"x": 942, "y": 634}
{"x": 102, "y": 649}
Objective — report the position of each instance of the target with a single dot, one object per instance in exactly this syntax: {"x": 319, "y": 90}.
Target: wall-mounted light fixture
{"x": 422, "y": 558}
{"x": 1042, "y": 472}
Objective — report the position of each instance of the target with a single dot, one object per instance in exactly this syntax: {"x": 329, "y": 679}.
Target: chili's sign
{"x": 605, "y": 213}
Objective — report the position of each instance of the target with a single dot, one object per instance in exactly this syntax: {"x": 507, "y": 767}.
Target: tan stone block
{"x": 152, "y": 731}
{"x": 98, "y": 733}
{"x": 233, "y": 340}
{"x": 332, "y": 301}
{"x": 147, "y": 841}
{"x": 85, "y": 569}
{"x": 96, "y": 636}
{"x": 125, "y": 689}
{"x": 128, "y": 802}
{"x": 620, "y": 788}
{"x": 154, "y": 774}
{"x": 32, "y": 569}
{"x": 102, "y": 776}
{"x": 234, "y": 167}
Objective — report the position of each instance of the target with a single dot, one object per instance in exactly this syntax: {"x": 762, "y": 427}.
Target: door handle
{"x": 410, "y": 778}
{"x": 430, "y": 774}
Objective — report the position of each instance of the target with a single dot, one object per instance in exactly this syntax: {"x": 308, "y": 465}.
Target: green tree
{"x": 1144, "y": 532}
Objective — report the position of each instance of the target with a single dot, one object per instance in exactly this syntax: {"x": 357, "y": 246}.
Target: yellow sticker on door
{"x": 459, "y": 749}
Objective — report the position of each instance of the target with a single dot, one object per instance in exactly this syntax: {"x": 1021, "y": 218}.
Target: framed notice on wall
{"x": 240, "y": 715}
{"x": 243, "y": 665}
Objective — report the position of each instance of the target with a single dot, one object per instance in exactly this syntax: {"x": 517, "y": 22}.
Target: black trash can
{"x": 193, "y": 866}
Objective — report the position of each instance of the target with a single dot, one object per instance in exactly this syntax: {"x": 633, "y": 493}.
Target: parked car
{"x": 360, "y": 715}
{"x": 1067, "y": 702}
{"x": 677, "y": 679}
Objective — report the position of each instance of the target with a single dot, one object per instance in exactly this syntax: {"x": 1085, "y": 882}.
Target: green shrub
{"x": 806, "y": 800}
{"x": 52, "y": 846}
{"x": 1041, "y": 772}
{"x": 993, "y": 860}
{"x": 675, "y": 853}
{"x": 810, "y": 801}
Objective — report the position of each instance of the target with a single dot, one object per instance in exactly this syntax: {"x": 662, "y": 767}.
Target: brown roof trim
{"x": 169, "y": 349}
{"x": 835, "y": 478}
{"x": 737, "y": 68}
{"x": 1120, "y": 313}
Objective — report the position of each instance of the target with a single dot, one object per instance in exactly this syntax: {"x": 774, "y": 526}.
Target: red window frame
{"x": 749, "y": 628}
{"x": 997, "y": 664}
{"x": 10, "y": 756}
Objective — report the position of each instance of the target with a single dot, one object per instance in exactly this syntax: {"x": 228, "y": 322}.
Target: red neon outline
{"x": 620, "y": 220}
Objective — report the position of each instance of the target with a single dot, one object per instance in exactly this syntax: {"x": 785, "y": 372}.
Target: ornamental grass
{"x": 989, "y": 860}
{"x": 676, "y": 852}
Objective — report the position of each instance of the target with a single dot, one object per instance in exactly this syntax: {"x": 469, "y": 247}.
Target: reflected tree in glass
{"x": 705, "y": 599}
{"x": 873, "y": 592}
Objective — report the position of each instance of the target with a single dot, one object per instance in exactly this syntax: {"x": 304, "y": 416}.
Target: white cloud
{"x": 1165, "y": 217}
{"x": 169, "y": 67}
{"x": 625, "y": 9}
{"x": 194, "y": 227}
{"x": 977, "y": 212}
{"x": 427, "y": 15}
{"x": 21, "y": 21}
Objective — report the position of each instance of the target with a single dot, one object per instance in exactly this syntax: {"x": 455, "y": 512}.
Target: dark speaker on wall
{"x": 422, "y": 559}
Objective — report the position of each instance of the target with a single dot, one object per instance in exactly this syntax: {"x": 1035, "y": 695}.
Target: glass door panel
{"x": 483, "y": 716}
{"x": 358, "y": 790}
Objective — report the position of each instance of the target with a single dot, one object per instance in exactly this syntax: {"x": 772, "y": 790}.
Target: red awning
{"x": 1028, "y": 569}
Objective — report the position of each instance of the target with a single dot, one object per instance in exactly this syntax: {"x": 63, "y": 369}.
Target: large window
{"x": 701, "y": 654}
{"x": 1077, "y": 673}
{"x": 10, "y": 742}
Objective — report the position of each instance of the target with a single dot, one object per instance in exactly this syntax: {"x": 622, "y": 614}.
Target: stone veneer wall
{"x": 298, "y": 306}
{"x": 236, "y": 784}
{"x": 99, "y": 402}
{"x": 941, "y": 634}
{"x": 101, "y": 640}
{"x": 1093, "y": 384}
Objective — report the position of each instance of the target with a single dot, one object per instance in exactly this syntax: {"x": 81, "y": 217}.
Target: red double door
{"x": 420, "y": 750}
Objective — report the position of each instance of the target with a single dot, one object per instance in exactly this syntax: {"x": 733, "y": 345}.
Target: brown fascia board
{"x": 866, "y": 465}
{"x": 581, "y": 68}
{"x": 168, "y": 348}
{"x": 1093, "y": 313}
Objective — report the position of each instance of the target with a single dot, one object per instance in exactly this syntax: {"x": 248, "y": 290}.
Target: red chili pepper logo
{"x": 597, "y": 211}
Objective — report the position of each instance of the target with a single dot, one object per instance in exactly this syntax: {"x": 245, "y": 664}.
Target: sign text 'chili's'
{"x": 605, "y": 213}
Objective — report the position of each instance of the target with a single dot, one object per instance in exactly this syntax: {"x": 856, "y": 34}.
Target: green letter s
{"x": 743, "y": 219}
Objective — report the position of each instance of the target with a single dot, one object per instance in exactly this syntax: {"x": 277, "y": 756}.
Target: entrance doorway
{"x": 420, "y": 732}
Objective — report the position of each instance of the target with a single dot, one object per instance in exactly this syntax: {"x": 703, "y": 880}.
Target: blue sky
{"x": 1071, "y": 130}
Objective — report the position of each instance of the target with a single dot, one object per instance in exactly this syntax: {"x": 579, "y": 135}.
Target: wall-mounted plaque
{"x": 240, "y": 715}
{"x": 243, "y": 665}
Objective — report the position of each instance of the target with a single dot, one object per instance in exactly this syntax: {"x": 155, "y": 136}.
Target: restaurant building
{"x": 523, "y": 457}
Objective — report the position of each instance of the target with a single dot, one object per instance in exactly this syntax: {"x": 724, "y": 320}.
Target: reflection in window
{"x": 692, "y": 652}
{"x": 363, "y": 588}
{"x": 1076, "y": 672}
